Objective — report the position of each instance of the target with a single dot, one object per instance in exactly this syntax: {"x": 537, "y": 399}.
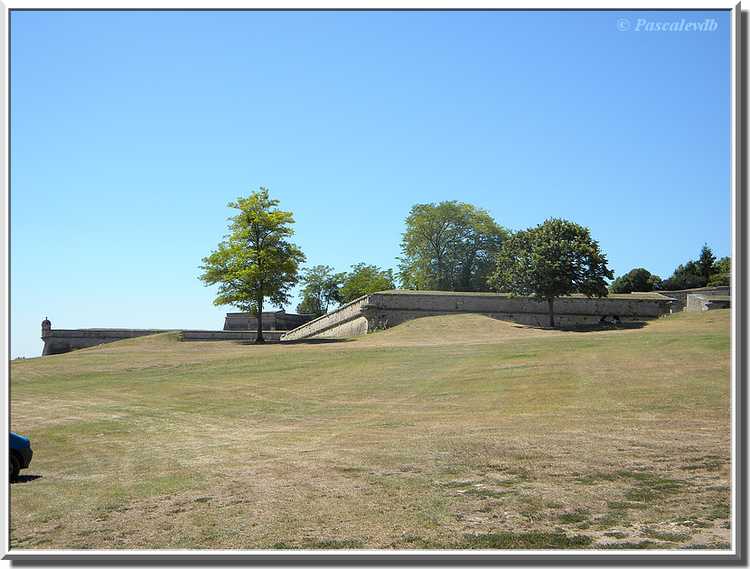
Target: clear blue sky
{"x": 131, "y": 131}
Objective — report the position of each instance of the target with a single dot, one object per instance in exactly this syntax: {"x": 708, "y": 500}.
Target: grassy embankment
{"x": 447, "y": 432}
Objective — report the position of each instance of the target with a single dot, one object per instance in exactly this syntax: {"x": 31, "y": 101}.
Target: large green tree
{"x": 685, "y": 276}
{"x": 554, "y": 259}
{"x": 449, "y": 246}
{"x": 722, "y": 273}
{"x": 321, "y": 288}
{"x": 636, "y": 280}
{"x": 706, "y": 261}
{"x": 256, "y": 261}
{"x": 365, "y": 279}
{"x": 700, "y": 272}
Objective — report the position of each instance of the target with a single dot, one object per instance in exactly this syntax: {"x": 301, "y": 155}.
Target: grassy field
{"x": 442, "y": 433}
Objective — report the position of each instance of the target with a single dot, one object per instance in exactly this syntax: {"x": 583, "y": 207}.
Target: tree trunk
{"x": 259, "y": 339}
{"x": 551, "y": 313}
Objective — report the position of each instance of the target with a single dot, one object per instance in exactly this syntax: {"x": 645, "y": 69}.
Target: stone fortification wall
{"x": 271, "y": 321}
{"x": 229, "y": 335}
{"x": 386, "y": 309}
{"x": 681, "y": 296}
{"x": 348, "y": 320}
{"x": 703, "y": 302}
{"x": 63, "y": 341}
{"x": 389, "y": 308}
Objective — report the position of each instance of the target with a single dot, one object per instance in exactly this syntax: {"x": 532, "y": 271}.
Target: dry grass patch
{"x": 446, "y": 432}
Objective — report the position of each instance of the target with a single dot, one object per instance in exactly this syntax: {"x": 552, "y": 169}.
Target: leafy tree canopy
{"x": 321, "y": 289}
{"x": 685, "y": 276}
{"x": 256, "y": 261}
{"x": 554, "y": 259}
{"x": 636, "y": 280}
{"x": 365, "y": 279}
{"x": 706, "y": 261}
{"x": 702, "y": 272}
{"x": 449, "y": 246}
{"x": 722, "y": 273}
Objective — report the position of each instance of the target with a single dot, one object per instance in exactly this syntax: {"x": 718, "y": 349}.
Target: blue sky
{"x": 131, "y": 131}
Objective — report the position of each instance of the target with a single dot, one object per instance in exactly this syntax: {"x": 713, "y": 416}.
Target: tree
{"x": 723, "y": 265}
{"x": 255, "y": 261}
{"x": 637, "y": 280}
{"x": 365, "y": 279}
{"x": 554, "y": 259}
{"x": 693, "y": 274}
{"x": 706, "y": 262}
{"x": 321, "y": 289}
{"x": 449, "y": 246}
{"x": 722, "y": 273}
{"x": 685, "y": 276}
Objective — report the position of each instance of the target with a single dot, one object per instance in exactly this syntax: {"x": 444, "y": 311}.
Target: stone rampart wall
{"x": 63, "y": 341}
{"x": 271, "y": 321}
{"x": 348, "y": 319}
{"x": 387, "y": 309}
{"x": 623, "y": 305}
{"x": 229, "y": 335}
{"x": 703, "y": 302}
{"x": 681, "y": 296}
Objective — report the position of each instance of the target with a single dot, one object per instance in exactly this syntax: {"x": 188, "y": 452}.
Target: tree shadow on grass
{"x": 24, "y": 478}
{"x": 319, "y": 341}
{"x": 295, "y": 342}
{"x": 602, "y": 327}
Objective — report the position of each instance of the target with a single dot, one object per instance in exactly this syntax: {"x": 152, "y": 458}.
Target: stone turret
{"x": 46, "y": 327}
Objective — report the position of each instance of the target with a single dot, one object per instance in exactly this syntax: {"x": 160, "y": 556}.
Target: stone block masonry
{"x": 63, "y": 341}
{"x": 704, "y": 302}
{"x": 681, "y": 296}
{"x": 389, "y": 308}
{"x": 279, "y": 320}
{"x": 247, "y": 336}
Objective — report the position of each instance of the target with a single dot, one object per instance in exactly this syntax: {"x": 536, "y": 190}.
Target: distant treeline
{"x": 706, "y": 270}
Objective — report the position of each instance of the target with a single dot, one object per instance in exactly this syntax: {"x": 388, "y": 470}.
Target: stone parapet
{"x": 704, "y": 302}
{"x": 681, "y": 296}
{"x": 348, "y": 319}
{"x": 63, "y": 341}
{"x": 389, "y": 308}
{"x": 271, "y": 320}
{"x": 229, "y": 335}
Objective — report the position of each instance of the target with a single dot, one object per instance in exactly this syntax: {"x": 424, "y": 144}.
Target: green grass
{"x": 526, "y": 540}
{"x": 409, "y": 438}
{"x": 666, "y": 535}
{"x": 575, "y": 517}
